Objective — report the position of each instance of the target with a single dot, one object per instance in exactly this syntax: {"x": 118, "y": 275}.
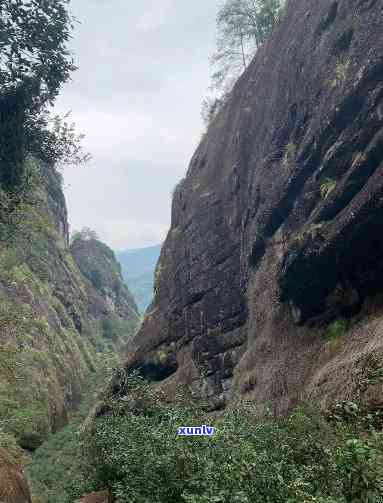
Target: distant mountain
{"x": 138, "y": 267}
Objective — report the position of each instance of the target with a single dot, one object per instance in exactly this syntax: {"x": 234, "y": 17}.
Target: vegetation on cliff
{"x": 56, "y": 464}
{"x": 51, "y": 339}
{"x": 263, "y": 290}
{"x": 243, "y": 26}
{"x": 132, "y": 447}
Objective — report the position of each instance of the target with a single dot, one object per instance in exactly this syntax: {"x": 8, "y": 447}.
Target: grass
{"x": 327, "y": 186}
{"x": 289, "y": 155}
{"x": 340, "y": 73}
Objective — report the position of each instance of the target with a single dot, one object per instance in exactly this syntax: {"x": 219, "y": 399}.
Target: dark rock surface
{"x": 277, "y": 229}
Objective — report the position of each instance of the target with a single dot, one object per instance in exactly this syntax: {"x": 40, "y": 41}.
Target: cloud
{"x": 143, "y": 74}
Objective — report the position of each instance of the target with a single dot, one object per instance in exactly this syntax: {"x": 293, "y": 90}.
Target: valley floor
{"x": 53, "y": 468}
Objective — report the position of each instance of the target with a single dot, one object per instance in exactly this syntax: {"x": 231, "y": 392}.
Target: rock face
{"x": 13, "y": 486}
{"x": 100, "y": 497}
{"x": 98, "y": 264}
{"x": 51, "y": 316}
{"x": 277, "y": 228}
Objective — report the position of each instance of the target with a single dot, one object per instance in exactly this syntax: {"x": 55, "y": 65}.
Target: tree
{"x": 86, "y": 234}
{"x": 55, "y": 140}
{"x": 243, "y": 26}
{"x": 33, "y": 45}
{"x": 34, "y": 63}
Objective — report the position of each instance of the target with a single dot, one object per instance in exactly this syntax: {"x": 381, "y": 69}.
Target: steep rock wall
{"x": 13, "y": 485}
{"x": 276, "y": 229}
{"x": 50, "y": 334}
{"x": 99, "y": 266}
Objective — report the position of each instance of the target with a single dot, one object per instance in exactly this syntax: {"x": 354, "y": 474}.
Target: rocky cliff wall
{"x": 276, "y": 234}
{"x": 51, "y": 335}
{"x": 99, "y": 266}
{"x": 13, "y": 485}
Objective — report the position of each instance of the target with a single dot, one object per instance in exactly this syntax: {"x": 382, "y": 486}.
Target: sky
{"x": 143, "y": 73}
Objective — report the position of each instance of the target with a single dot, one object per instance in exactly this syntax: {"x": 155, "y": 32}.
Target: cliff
{"x": 105, "y": 285}
{"x": 53, "y": 322}
{"x": 13, "y": 486}
{"x": 269, "y": 284}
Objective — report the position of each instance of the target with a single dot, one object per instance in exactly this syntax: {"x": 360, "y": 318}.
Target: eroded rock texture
{"x": 107, "y": 291}
{"x": 52, "y": 319}
{"x": 13, "y": 486}
{"x": 277, "y": 229}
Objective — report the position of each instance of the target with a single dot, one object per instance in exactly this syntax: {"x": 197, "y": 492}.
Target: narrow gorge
{"x": 266, "y": 325}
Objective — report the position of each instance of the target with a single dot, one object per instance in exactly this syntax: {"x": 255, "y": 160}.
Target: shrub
{"x": 327, "y": 186}
{"x": 337, "y": 328}
{"x": 134, "y": 449}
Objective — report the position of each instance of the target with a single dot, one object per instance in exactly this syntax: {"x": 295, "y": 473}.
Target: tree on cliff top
{"x": 86, "y": 234}
{"x": 243, "y": 26}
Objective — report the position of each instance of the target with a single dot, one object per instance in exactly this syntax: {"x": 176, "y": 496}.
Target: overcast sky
{"x": 143, "y": 72}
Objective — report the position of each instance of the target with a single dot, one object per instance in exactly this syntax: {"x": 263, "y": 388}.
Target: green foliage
{"x": 54, "y": 140}
{"x": 337, "y": 328}
{"x": 361, "y": 413}
{"x": 289, "y": 155}
{"x": 34, "y": 63}
{"x": 243, "y": 26}
{"x": 86, "y": 234}
{"x": 110, "y": 327}
{"x": 57, "y": 460}
{"x": 340, "y": 73}
{"x": 327, "y": 186}
{"x": 9, "y": 443}
{"x": 117, "y": 330}
{"x": 135, "y": 450}
{"x": 33, "y": 43}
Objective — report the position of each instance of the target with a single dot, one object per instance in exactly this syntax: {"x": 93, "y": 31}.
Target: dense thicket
{"x": 134, "y": 449}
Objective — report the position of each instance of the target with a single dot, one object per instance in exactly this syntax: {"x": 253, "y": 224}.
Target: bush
{"x": 134, "y": 449}
{"x": 337, "y": 328}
